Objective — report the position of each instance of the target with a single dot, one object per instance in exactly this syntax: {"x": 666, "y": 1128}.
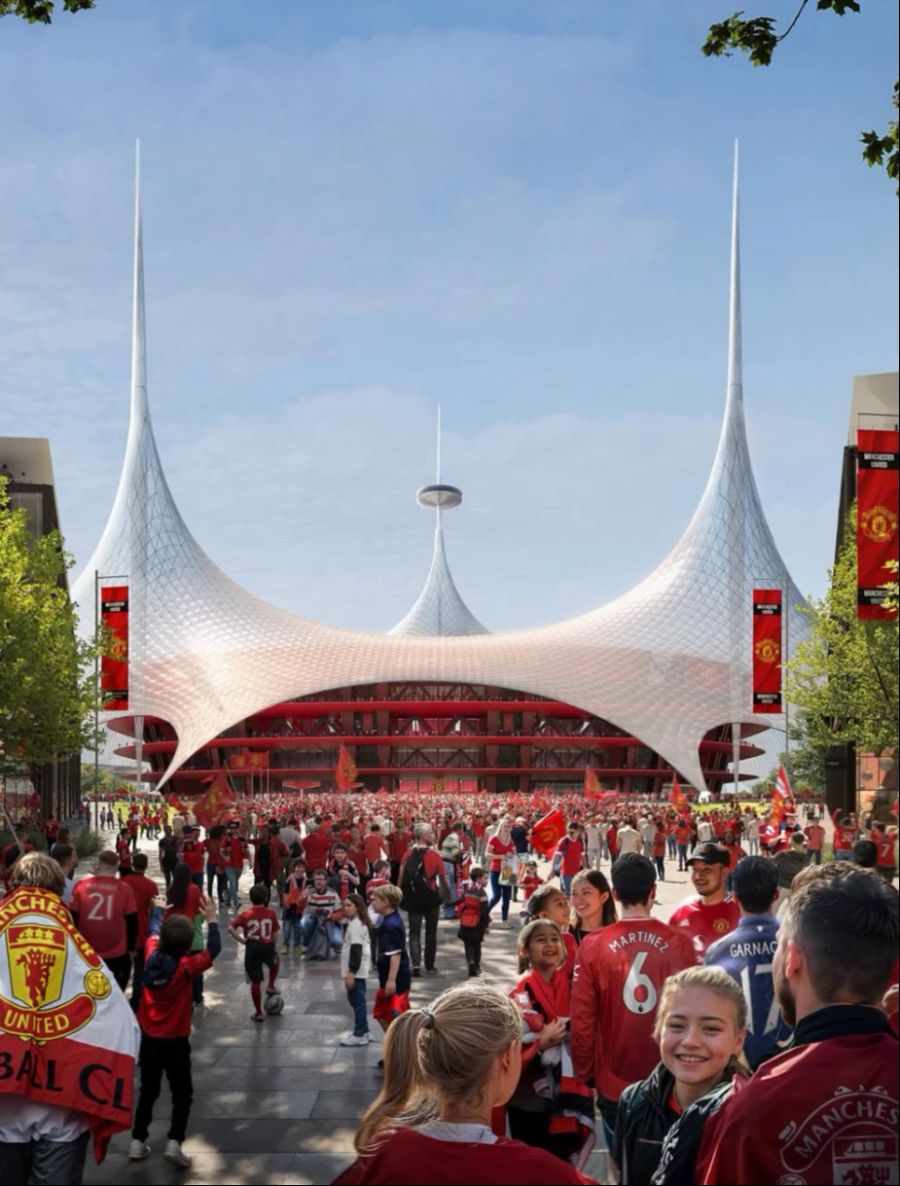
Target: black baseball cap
{"x": 710, "y": 854}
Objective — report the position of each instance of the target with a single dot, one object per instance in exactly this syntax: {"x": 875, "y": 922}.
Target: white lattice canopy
{"x": 667, "y": 661}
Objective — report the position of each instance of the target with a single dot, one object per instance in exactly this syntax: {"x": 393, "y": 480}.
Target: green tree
{"x": 105, "y": 785}
{"x": 844, "y": 677}
{"x": 40, "y": 12}
{"x": 47, "y": 685}
{"x": 758, "y": 38}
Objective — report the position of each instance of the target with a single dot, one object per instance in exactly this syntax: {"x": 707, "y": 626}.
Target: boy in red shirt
{"x": 260, "y": 928}
{"x": 164, "y": 1015}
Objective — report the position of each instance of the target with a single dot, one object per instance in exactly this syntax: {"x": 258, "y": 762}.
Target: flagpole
{"x": 96, "y": 701}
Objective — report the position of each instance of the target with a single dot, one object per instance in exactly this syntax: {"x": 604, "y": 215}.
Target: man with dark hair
{"x": 826, "y": 1110}
{"x": 618, "y": 978}
{"x": 712, "y": 913}
{"x": 746, "y": 954}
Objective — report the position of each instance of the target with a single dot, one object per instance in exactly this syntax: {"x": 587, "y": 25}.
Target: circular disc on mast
{"x": 440, "y": 496}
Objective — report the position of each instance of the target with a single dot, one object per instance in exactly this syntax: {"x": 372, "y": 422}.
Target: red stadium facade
{"x": 441, "y": 736}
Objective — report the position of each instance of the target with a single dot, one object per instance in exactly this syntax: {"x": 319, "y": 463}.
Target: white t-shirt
{"x": 23, "y": 1120}
{"x": 356, "y": 932}
{"x": 629, "y": 840}
{"x": 592, "y": 832}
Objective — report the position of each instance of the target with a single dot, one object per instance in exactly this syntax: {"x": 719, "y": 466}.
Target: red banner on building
{"x": 767, "y": 650}
{"x": 876, "y": 518}
{"x": 114, "y": 666}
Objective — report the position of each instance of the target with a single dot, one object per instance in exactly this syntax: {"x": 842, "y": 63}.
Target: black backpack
{"x": 417, "y": 893}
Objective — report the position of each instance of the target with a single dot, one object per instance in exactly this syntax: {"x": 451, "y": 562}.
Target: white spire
{"x": 439, "y": 608}
{"x": 138, "y": 326}
{"x": 735, "y": 361}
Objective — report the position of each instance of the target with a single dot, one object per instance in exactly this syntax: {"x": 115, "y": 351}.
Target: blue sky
{"x": 519, "y": 210}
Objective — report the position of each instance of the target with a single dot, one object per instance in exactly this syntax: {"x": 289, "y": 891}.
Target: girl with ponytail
{"x": 445, "y": 1069}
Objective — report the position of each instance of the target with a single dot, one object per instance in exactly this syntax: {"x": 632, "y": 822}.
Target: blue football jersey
{"x": 746, "y": 954}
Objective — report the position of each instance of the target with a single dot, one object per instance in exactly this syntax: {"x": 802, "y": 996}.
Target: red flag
{"x": 677, "y": 796}
{"x": 547, "y": 832}
{"x": 216, "y": 803}
{"x": 345, "y": 770}
{"x": 592, "y": 788}
{"x": 782, "y": 798}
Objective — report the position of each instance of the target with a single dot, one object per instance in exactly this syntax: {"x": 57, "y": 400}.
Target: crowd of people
{"x": 751, "y": 1038}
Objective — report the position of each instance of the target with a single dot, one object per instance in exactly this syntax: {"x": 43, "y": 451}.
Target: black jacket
{"x": 642, "y": 1122}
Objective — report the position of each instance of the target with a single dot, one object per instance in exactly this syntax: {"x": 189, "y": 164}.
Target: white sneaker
{"x": 353, "y": 1040}
{"x": 138, "y": 1150}
{"x": 176, "y": 1156}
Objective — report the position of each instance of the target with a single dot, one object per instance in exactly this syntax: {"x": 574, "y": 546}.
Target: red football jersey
{"x": 193, "y": 903}
{"x": 820, "y": 1113}
{"x": 618, "y": 978}
{"x": 884, "y": 848}
{"x": 192, "y": 853}
{"x": 165, "y": 1011}
{"x": 316, "y": 847}
{"x": 259, "y": 923}
{"x": 144, "y": 891}
{"x": 400, "y": 1157}
{"x": 706, "y": 924}
{"x": 101, "y": 904}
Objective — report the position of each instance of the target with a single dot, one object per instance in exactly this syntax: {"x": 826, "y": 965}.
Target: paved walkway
{"x": 279, "y": 1103}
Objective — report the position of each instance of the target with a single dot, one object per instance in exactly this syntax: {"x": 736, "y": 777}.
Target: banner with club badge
{"x": 876, "y": 518}
{"x": 767, "y": 650}
{"x": 114, "y": 666}
{"x": 68, "y": 1036}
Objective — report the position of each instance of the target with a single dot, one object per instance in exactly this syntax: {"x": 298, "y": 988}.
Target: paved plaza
{"x": 279, "y": 1103}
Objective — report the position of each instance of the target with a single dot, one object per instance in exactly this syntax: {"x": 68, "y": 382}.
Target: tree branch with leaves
{"x": 758, "y": 38}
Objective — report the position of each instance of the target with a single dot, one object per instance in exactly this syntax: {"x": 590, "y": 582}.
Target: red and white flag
{"x": 68, "y": 1035}
{"x": 782, "y": 798}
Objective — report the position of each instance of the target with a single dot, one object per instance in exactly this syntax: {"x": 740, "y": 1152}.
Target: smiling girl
{"x": 549, "y": 1108}
{"x": 700, "y": 1027}
{"x": 550, "y": 902}
{"x": 446, "y": 1068}
{"x": 592, "y": 902}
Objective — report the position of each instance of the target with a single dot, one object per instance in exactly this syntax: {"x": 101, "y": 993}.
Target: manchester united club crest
{"x": 44, "y": 1003}
{"x": 767, "y": 651}
{"x": 879, "y": 524}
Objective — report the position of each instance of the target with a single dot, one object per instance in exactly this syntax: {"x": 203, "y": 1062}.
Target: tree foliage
{"x": 758, "y": 38}
{"x": 845, "y": 677}
{"x": 47, "y": 686}
{"x": 40, "y": 12}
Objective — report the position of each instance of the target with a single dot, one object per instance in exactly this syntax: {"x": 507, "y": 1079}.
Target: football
{"x": 274, "y": 1004}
